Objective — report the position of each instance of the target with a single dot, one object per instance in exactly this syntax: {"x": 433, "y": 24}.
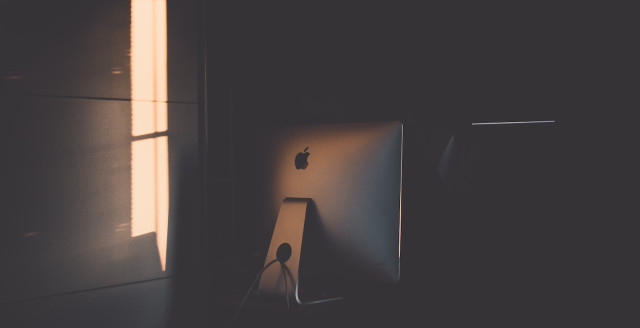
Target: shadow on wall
{"x": 90, "y": 184}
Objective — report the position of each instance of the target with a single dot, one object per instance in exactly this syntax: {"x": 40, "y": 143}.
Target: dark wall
{"x": 501, "y": 225}
{"x": 68, "y": 255}
{"x": 498, "y": 225}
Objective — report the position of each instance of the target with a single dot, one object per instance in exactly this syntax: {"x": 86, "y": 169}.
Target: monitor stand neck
{"x": 289, "y": 230}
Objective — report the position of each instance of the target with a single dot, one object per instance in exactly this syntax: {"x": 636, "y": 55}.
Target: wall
{"x": 99, "y": 131}
{"x": 507, "y": 239}
{"x": 69, "y": 254}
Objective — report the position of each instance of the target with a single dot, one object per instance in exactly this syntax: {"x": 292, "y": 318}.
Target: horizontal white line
{"x": 518, "y": 122}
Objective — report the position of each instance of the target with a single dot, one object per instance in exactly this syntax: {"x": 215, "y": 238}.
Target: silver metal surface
{"x": 289, "y": 229}
{"x": 354, "y": 179}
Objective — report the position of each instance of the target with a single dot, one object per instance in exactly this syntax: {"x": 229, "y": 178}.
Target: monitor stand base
{"x": 287, "y": 238}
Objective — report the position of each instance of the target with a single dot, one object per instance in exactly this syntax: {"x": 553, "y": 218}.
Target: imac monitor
{"x": 332, "y": 194}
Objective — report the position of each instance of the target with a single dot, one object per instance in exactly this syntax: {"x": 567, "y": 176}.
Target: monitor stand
{"x": 287, "y": 237}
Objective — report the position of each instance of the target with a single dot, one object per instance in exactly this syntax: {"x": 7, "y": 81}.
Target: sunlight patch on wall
{"x": 149, "y": 146}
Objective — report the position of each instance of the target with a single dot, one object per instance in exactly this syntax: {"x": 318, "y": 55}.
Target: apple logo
{"x": 301, "y": 160}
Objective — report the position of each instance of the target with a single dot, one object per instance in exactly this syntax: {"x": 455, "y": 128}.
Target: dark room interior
{"x": 131, "y": 133}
